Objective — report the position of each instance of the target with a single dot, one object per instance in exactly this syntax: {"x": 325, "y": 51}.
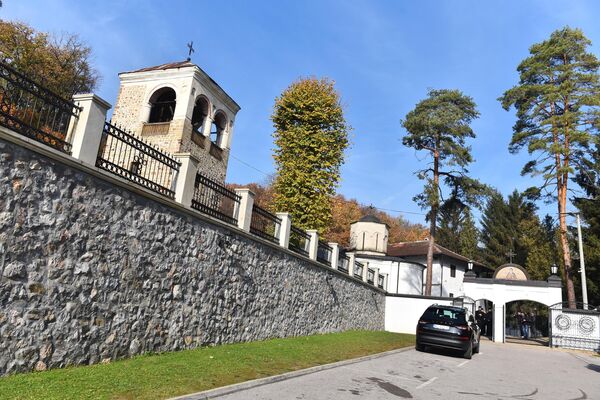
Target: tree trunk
{"x": 564, "y": 242}
{"x": 432, "y": 224}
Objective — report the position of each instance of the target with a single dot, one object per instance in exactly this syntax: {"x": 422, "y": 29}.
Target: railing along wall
{"x": 215, "y": 200}
{"x": 34, "y": 111}
{"x": 125, "y": 155}
{"x": 81, "y": 130}
{"x": 264, "y": 224}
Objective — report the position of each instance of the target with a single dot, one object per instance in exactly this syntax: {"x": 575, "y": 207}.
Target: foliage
{"x": 440, "y": 124}
{"x": 310, "y": 135}
{"x": 173, "y": 374}
{"x": 62, "y": 63}
{"x": 513, "y": 225}
{"x": 263, "y": 193}
{"x": 588, "y": 179}
{"x": 556, "y": 102}
{"x": 457, "y": 230}
{"x": 345, "y": 212}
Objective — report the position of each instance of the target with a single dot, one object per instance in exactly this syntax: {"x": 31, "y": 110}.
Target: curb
{"x": 237, "y": 387}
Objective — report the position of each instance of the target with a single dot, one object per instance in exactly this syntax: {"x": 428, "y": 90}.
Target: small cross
{"x": 510, "y": 255}
{"x": 190, "y": 46}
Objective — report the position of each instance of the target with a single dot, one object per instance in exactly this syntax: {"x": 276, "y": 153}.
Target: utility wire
{"x": 360, "y": 204}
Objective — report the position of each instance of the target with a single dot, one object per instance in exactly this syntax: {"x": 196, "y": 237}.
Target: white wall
{"x": 403, "y": 277}
{"x": 403, "y": 313}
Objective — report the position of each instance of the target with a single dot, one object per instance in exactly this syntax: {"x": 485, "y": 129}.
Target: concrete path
{"x": 501, "y": 371}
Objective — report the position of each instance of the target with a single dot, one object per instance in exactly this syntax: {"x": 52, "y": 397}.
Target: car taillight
{"x": 422, "y": 322}
{"x": 464, "y": 332}
{"x": 463, "y": 327}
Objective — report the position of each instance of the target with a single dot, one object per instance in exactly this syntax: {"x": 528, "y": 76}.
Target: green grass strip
{"x": 160, "y": 376}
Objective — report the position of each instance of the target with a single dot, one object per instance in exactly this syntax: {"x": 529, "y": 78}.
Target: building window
{"x": 162, "y": 105}
{"x": 453, "y": 271}
{"x": 218, "y": 128}
{"x": 199, "y": 114}
{"x": 451, "y": 295}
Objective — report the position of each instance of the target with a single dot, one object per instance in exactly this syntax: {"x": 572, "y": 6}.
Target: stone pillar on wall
{"x": 244, "y": 208}
{"x": 365, "y": 271}
{"x": 186, "y": 178}
{"x": 376, "y": 277}
{"x": 352, "y": 257}
{"x": 284, "y": 229}
{"x": 313, "y": 246}
{"x": 335, "y": 254}
{"x": 87, "y": 132}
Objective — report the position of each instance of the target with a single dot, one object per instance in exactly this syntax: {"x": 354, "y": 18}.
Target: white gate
{"x": 574, "y": 328}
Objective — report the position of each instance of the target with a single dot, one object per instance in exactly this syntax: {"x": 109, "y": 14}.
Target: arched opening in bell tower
{"x": 162, "y": 105}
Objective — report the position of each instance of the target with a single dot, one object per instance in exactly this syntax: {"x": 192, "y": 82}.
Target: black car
{"x": 448, "y": 327}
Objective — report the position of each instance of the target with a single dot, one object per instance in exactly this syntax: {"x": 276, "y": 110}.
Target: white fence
{"x": 574, "y": 328}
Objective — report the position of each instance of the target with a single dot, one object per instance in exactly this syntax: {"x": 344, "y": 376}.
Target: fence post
{"x": 186, "y": 178}
{"x": 313, "y": 247}
{"x": 376, "y": 277}
{"x": 244, "y": 208}
{"x": 351, "y": 264}
{"x": 87, "y": 133}
{"x": 365, "y": 272}
{"x": 284, "y": 229}
{"x": 335, "y": 254}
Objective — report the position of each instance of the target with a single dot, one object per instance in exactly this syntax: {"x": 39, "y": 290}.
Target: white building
{"x": 405, "y": 263}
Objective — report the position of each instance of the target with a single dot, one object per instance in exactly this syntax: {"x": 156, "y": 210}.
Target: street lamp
{"x": 554, "y": 269}
{"x": 470, "y": 265}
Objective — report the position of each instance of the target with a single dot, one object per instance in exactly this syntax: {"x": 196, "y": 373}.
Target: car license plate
{"x": 442, "y": 327}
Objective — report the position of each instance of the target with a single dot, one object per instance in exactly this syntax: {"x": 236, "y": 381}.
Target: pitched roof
{"x": 370, "y": 218}
{"x": 419, "y": 248}
{"x": 162, "y": 67}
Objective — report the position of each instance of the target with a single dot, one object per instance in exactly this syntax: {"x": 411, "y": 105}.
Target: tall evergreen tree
{"x": 556, "y": 102}
{"x": 310, "y": 135}
{"x": 440, "y": 125}
{"x": 457, "y": 230}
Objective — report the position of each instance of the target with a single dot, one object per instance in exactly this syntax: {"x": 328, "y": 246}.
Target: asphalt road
{"x": 500, "y": 371}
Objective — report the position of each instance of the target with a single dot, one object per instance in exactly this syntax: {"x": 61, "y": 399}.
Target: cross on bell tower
{"x": 190, "y": 47}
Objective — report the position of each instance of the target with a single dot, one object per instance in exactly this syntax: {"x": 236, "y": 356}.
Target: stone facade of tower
{"x": 179, "y": 131}
{"x": 369, "y": 235}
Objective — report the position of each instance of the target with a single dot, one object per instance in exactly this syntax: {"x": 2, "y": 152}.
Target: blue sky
{"x": 383, "y": 56}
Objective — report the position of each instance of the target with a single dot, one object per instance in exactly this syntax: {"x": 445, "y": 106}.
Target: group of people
{"x": 525, "y": 321}
{"x": 484, "y": 321}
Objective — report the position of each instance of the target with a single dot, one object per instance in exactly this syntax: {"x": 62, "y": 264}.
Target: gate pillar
{"x": 498, "y": 322}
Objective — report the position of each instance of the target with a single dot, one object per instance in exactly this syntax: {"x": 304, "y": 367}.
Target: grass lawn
{"x": 183, "y": 372}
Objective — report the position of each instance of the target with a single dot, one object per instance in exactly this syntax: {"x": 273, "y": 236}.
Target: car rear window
{"x": 453, "y": 316}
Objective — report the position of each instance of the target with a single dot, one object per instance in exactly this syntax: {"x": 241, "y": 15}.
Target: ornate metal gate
{"x": 574, "y": 328}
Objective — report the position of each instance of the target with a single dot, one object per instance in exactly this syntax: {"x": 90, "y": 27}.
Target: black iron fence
{"x": 358, "y": 269}
{"x": 33, "y": 111}
{"x": 123, "y": 154}
{"x": 299, "y": 241}
{"x": 264, "y": 224}
{"x": 380, "y": 280}
{"x": 215, "y": 200}
{"x": 324, "y": 253}
{"x": 371, "y": 276}
{"x": 343, "y": 262}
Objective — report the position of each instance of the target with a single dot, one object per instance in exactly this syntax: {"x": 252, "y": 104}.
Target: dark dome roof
{"x": 370, "y": 218}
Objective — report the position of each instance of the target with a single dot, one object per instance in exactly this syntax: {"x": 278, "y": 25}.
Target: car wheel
{"x": 469, "y": 352}
{"x": 476, "y": 348}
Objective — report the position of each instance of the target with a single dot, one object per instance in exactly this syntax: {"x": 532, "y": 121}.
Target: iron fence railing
{"x": 343, "y": 262}
{"x": 358, "y": 269}
{"x": 324, "y": 253}
{"x": 264, "y": 224}
{"x": 123, "y": 154}
{"x": 299, "y": 241}
{"x": 380, "y": 280}
{"x": 370, "y": 276}
{"x": 215, "y": 200}
{"x": 33, "y": 111}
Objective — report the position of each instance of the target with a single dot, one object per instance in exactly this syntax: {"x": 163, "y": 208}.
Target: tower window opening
{"x": 199, "y": 115}
{"x": 217, "y": 129}
{"x": 162, "y": 105}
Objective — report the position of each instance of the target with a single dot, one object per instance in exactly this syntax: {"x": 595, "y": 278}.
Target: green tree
{"x": 310, "y": 135}
{"x": 440, "y": 124}
{"x": 556, "y": 102}
{"x": 588, "y": 179}
{"x": 456, "y": 228}
{"x": 61, "y": 63}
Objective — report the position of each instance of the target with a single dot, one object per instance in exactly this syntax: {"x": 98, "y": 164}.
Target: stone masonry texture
{"x": 91, "y": 272}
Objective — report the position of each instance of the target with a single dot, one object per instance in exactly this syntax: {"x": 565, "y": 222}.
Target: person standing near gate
{"x": 480, "y": 317}
{"x": 526, "y": 324}
{"x": 520, "y": 317}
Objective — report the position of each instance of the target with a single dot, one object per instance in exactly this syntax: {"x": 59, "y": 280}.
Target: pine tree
{"x": 440, "y": 125}
{"x": 556, "y": 102}
{"x": 457, "y": 230}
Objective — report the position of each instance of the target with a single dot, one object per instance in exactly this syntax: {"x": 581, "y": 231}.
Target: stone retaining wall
{"x": 92, "y": 272}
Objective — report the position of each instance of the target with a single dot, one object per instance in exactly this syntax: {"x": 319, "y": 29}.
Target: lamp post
{"x": 554, "y": 269}
{"x": 581, "y": 260}
{"x": 470, "y": 265}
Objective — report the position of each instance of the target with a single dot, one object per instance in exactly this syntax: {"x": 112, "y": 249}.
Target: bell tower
{"x": 179, "y": 108}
